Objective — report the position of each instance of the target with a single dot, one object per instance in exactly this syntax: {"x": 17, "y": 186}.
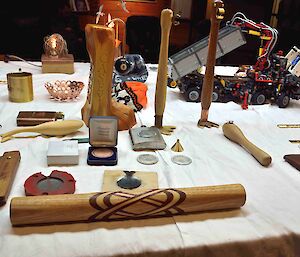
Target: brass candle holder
{"x": 20, "y": 88}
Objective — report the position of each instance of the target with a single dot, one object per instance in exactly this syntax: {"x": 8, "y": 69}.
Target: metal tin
{"x": 20, "y": 88}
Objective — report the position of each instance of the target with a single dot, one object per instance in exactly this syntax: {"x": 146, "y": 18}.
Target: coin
{"x": 181, "y": 160}
{"x": 147, "y": 159}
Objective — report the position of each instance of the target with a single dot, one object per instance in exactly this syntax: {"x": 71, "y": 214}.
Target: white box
{"x": 62, "y": 153}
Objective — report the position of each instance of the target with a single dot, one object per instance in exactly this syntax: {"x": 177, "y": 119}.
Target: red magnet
{"x": 59, "y": 182}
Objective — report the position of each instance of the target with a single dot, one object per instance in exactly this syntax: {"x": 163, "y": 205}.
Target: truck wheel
{"x": 258, "y": 98}
{"x": 193, "y": 95}
{"x": 283, "y": 100}
{"x": 215, "y": 96}
{"x": 172, "y": 83}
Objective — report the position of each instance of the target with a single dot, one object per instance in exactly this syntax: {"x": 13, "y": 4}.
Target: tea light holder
{"x": 56, "y": 58}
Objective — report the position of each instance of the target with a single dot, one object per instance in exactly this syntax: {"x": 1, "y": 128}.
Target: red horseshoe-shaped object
{"x": 58, "y": 182}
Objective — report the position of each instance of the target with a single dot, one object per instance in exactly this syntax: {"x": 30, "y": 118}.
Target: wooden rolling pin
{"x": 9, "y": 164}
{"x": 51, "y": 128}
{"x": 109, "y": 206}
{"x": 162, "y": 72}
{"x": 100, "y": 41}
{"x": 217, "y": 11}
{"x": 233, "y": 133}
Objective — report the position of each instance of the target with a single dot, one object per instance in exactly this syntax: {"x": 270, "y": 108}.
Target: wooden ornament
{"x": 233, "y": 133}
{"x": 100, "y": 41}
{"x": 110, "y": 206}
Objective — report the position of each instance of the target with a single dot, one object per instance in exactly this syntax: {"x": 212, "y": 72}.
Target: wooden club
{"x": 233, "y": 133}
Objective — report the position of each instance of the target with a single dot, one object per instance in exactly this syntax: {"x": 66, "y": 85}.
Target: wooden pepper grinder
{"x": 100, "y": 41}
{"x": 166, "y": 20}
{"x": 217, "y": 14}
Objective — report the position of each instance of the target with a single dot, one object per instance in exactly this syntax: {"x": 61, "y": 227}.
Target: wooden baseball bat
{"x": 162, "y": 72}
{"x": 233, "y": 133}
{"x": 109, "y": 206}
{"x": 9, "y": 164}
{"x": 217, "y": 13}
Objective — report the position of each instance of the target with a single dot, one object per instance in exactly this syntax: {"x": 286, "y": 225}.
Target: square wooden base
{"x": 63, "y": 64}
{"x": 110, "y": 177}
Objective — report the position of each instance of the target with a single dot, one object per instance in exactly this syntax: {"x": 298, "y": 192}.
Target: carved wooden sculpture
{"x": 217, "y": 12}
{"x": 166, "y": 20}
{"x": 100, "y": 41}
{"x": 109, "y": 206}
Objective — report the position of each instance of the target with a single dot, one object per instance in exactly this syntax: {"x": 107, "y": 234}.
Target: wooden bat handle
{"x": 208, "y": 83}
{"x": 109, "y": 206}
{"x": 233, "y": 133}
{"x": 100, "y": 42}
{"x": 9, "y": 164}
{"x": 162, "y": 73}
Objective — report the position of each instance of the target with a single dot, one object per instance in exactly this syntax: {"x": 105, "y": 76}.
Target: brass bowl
{"x": 62, "y": 90}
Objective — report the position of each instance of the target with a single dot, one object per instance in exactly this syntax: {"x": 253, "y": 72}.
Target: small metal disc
{"x": 181, "y": 160}
{"x": 147, "y": 159}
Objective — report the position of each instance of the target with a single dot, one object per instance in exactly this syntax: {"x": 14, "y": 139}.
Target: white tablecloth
{"x": 268, "y": 224}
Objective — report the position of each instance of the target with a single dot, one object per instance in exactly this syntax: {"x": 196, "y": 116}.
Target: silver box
{"x": 62, "y": 153}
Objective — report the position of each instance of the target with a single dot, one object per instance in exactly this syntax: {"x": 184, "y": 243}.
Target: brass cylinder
{"x": 20, "y": 88}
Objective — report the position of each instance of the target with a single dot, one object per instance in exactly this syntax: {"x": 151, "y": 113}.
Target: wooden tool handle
{"x": 51, "y": 128}
{"x": 162, "y": 73}
{"x": 233, "y": 133}
{"x": 9, "y": 164}
{"x": 208, "y": 84}
{"x": 100, "y": 42}
{"x": 109, "y": 206}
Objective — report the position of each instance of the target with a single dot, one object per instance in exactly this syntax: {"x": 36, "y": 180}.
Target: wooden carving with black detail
{"x": 110, "y": 206}
{"x": 217, "y": 14}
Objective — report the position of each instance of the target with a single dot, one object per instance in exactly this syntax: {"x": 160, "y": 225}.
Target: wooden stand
{"x": 100, "y": 41}
{"x": 64, "y": 64}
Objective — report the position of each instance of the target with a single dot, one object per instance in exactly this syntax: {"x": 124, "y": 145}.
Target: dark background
{"x": 24, "y": 24}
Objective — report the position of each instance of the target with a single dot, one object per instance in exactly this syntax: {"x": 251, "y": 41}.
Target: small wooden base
{"x": 63, "y": 64}
{"x": 110, "y": 177}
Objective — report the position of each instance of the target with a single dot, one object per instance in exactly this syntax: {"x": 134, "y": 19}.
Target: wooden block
{"x": 9, "y": 164}
{"x": 110, "y": 177}
{"x": 63, "y": 64}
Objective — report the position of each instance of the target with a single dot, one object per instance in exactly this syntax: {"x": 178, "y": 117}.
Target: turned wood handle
{"x": 162, "y": 72}
{"x": 109, "y": 206}
{"x": 51, "y": 128}
{"x": 9, "y": 164}
{"x": 100, "y": 43}
{"x": 233, "y": 133}
{"x": 208, "y": 84}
